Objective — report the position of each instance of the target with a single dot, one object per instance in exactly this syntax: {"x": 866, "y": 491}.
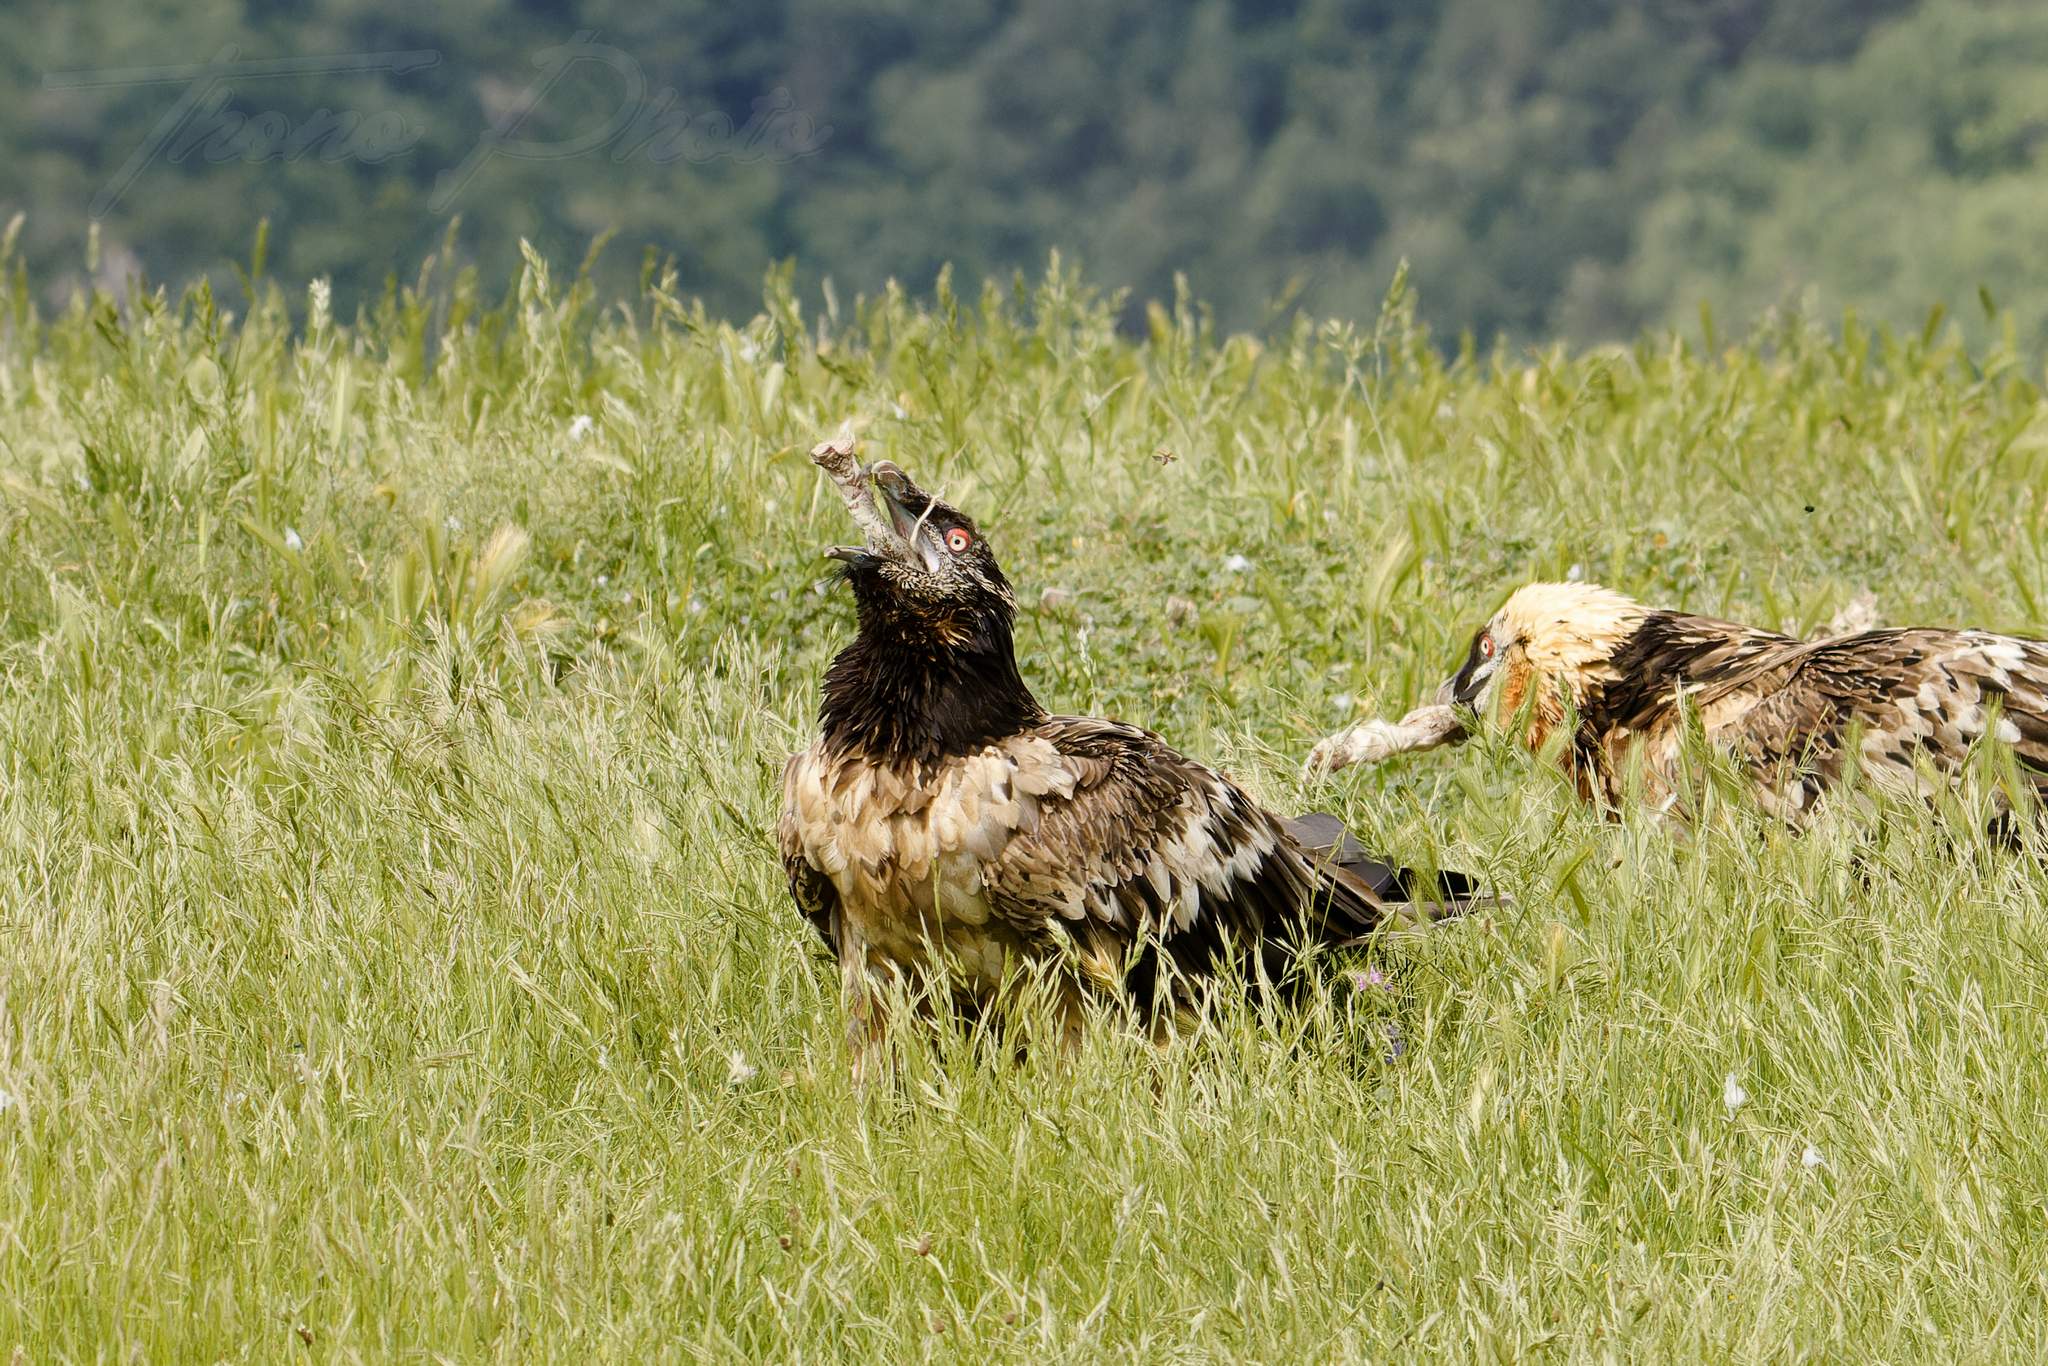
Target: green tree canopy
{"x": 1549, "y": 167}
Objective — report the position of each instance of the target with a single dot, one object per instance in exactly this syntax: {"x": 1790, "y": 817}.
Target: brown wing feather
{"x": 1913, "y": 695}
{"x": 812, "y": 891}
{"x": 1720, "y": 668}
{"x": 1706, "y": 659}
{"x": 1151, "y": 845}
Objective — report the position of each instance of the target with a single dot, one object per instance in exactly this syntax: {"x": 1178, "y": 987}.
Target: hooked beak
{"x": 1465, "y": 689}
{"x": 907, "y": 507}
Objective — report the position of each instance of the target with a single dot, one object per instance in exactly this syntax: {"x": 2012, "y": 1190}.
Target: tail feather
{"x": 1346, "y": 861}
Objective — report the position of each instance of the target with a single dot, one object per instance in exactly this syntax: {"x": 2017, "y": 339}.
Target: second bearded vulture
{"x": 1907, "y": 707}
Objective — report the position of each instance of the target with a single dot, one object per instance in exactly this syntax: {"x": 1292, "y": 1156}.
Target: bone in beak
{"x": 835, "y": 457}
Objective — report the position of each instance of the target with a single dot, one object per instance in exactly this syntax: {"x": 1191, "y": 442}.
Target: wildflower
{"x": 1732, "y": 1094}
{"x": 1237, "y": 564}
{"x": 292, "y": 540}
{"x": 579, "y": 427}
{"x": 1342, "y": 703}
{"x": 6, "y": 1101}
{"x": 1370, "y": 979}
{"x": 1811, "y": 1158}
{"x": 738, "y": 1071}
{"x": 1575, "y": 573}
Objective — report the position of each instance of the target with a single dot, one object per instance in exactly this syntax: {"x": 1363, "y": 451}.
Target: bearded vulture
{"x": 1907, "y": 705}
{"x": 945, "y": 832}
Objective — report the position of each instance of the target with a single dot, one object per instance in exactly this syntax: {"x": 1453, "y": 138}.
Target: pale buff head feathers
{"x": 1552, "y": 638}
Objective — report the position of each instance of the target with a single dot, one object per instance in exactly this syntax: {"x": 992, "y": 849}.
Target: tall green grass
{"x": 393, "y": 963}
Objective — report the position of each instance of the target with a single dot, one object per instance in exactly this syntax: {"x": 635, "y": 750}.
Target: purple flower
{"x": 1397, "y": 1043}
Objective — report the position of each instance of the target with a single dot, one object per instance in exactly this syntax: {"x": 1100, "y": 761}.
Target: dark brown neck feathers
{"x": 895, "y": 696}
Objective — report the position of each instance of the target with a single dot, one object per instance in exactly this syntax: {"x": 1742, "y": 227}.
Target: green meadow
{"x": 395, "y": 965}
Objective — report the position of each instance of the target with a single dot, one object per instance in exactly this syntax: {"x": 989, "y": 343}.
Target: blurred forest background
{"x": 1572, "y": 169}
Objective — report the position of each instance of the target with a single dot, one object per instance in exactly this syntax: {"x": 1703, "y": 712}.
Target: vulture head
{"x": 1554, "y": 639}
{"x": 925, "y": 576}
{"x": 933, "y": 670}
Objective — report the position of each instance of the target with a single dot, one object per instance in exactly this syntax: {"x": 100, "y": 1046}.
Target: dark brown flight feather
{"x": 944, "y": 822}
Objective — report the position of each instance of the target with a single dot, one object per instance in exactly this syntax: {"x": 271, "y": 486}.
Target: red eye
{"x": 957, "y": 540}
{"x": 1486, "y": 647}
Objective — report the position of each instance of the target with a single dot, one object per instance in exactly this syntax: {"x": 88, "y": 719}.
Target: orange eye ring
{"x": 957, "y": 540}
